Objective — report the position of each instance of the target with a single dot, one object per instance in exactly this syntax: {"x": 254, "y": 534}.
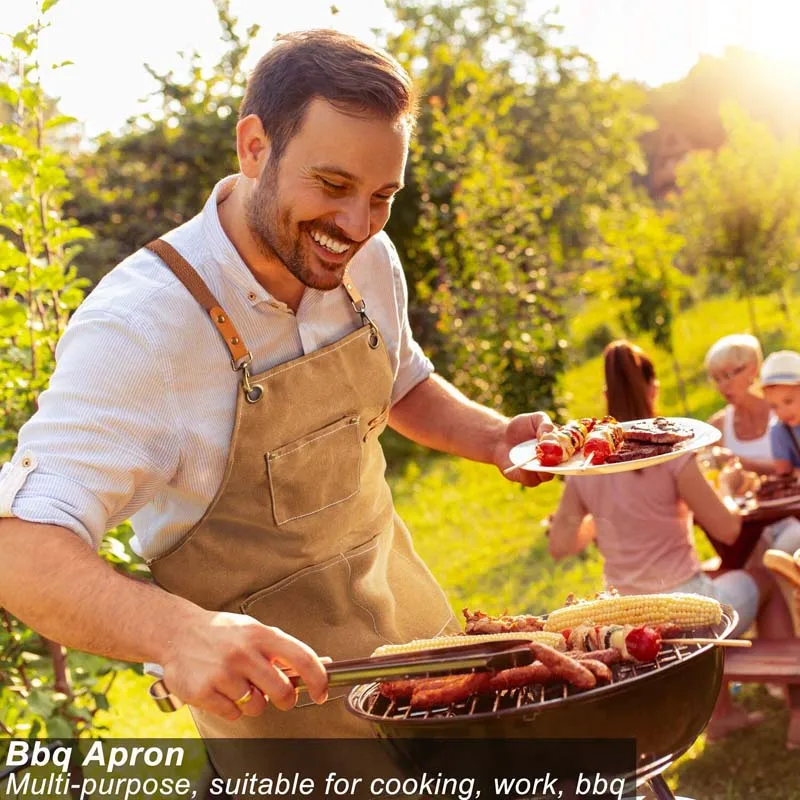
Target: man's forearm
{"x": 435, "y": 414}
{"x": 55, "y": 583}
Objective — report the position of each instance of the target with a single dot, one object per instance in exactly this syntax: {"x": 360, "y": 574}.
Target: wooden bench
{"x": 771, "y": 661}
{"x": 767, "y": 661}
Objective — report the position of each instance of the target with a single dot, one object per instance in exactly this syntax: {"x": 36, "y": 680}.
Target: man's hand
{"x": 221, "y": 658}
{"x": 520, "y": 429}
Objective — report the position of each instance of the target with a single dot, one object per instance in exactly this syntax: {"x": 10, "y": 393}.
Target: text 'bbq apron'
{"x": 302, "y": 533}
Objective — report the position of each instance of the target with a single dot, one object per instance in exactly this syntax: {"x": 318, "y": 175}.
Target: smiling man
{"x": 225, "y": 388}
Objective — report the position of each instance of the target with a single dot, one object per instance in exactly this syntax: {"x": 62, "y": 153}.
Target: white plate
{"x": 704, "y": 435}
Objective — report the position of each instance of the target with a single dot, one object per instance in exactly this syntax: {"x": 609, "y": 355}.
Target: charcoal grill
{"x": 664, "y": 705}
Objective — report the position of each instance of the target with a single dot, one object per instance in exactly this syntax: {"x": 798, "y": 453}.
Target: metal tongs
{"x": 456, "y": 660}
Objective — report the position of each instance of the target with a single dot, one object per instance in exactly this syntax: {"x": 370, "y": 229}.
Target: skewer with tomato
{"x": 560, "y": 444}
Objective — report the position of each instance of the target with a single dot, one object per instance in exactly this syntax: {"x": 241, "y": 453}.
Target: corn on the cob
{"x": 555, "y": 640}
{"x": 683, "y": 610}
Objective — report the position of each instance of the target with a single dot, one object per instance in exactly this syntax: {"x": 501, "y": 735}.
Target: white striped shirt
{"x": 137, "y": 419}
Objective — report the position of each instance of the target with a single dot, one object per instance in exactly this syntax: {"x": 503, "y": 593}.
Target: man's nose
{"x": 355, "y": 219}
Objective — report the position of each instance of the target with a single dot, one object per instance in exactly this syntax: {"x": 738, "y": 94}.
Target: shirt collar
{"x": 225, "y": 254}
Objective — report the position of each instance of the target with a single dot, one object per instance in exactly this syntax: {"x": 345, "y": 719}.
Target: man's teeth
{"x": 328, "y": 243}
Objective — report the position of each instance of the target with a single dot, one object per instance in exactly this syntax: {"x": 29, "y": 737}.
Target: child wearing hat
{"x": 780, "y": 377}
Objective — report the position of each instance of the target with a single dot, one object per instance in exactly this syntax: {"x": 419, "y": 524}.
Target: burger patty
{"x": 658, "y": 431}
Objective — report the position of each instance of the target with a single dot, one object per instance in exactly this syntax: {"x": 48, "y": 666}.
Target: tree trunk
{"x": 751, "y": 311}
{"x": 59, "y": 656}
{"x": 783, "y": 301}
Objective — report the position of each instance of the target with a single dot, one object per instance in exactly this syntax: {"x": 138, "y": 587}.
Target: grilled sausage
{"x": 597, "y": 668}
{"x": 451, "y": 689}
{"x": 564, "y": 667}
{"x": 520, "y": 676}
{"x": 608, "y": 656}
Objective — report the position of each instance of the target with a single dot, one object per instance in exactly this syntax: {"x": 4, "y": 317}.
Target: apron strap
{"x": 188, "y": 276}
{"x": 360, "y": 306}
{"x": 355, "y": 296}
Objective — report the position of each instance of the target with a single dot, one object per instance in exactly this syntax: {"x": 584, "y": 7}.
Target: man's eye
{"x": 334, "y": 187}
{"x": 384, "y": 198}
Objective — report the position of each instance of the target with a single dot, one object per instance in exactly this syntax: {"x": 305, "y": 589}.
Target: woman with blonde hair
{"x": 642, "y": 520}
{"x": 733, "y": 364}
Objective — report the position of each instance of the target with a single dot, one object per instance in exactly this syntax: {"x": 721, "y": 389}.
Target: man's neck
{"x": 269, "y": 272}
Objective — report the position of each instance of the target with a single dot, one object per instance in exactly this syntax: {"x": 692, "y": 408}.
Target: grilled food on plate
{"x": 659, "y": 430}
{"x": 560, "y": 444}
{"x": 604, "y": 440}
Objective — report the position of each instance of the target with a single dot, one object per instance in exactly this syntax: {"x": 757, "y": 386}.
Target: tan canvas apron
{"x": 302, "y": 533}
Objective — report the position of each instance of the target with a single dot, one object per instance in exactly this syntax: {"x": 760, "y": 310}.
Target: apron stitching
{"x": 444, "y": 627}
{"x": 441, "y": 591}
{"x": 310, "y": 571}
{"x": 316, "y": 439}
{"x": 316, "y": 511}
{"x": 361, "y": 606}
{"x": 308, "y": 359}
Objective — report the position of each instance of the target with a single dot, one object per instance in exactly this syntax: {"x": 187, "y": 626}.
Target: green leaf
{"x": 101, "y": 701}
{"x": 59, "y": 728}
{"x": 40, "y": 702}
{"x": 47, "y": 5}
{"x": 8, "y": 95}
{"x": 57, "y": 122}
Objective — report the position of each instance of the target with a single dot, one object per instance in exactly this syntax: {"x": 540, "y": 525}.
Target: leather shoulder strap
{"x": 189, "y": 277}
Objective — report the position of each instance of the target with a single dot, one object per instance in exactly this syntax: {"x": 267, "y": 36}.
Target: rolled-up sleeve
{"x": 104, "y": 437}
{"x": 413, "y": 366}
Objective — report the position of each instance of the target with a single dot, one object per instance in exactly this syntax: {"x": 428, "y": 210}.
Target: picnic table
{"x": 754, "y": 519}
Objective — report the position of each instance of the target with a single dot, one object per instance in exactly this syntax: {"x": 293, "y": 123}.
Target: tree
{"x": 639, "y": 250}
{"x": 39, "y": 288}
{"x": 739, "y": 210}
{"x": 160, "y": 171}
{"x": 519, "y": 145}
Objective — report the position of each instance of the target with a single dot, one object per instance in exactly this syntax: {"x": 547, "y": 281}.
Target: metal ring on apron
{"x": 373, "y": 340}
{"x": 251, "y": 393}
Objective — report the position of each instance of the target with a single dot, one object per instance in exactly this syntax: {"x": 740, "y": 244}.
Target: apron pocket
{"x": 320, "y": 470}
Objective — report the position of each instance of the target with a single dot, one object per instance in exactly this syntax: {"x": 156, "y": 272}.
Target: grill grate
{"x": 377, "y": 707}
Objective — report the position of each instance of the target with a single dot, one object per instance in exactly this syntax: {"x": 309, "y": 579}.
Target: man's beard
{"x": 272, "y": 231}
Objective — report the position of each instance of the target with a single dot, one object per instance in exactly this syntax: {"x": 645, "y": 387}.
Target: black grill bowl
{"x": 664, "y": 706}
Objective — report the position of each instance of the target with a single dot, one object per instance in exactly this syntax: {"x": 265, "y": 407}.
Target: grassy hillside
{"x": 482, "y": 536}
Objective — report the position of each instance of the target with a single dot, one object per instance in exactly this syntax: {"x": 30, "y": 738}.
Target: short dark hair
{"x": 330, "y": 65}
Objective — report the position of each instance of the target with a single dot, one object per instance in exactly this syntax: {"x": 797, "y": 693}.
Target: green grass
{"x": 482, "y": 537}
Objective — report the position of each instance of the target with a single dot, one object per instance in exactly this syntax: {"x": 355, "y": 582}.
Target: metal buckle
{"x": 251, "y": 393}
{"x": 361, "y": 310}
{"x": 243, "y": 362}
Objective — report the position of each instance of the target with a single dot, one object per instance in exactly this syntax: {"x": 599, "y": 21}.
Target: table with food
{"x": 761, "y": 500}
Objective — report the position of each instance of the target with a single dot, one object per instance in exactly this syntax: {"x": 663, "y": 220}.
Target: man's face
{"x": 329, "y": 194}
{"x": 785, "y": 402}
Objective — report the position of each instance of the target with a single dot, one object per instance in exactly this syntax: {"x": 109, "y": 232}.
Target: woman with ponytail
{"x": 642, "y": 520}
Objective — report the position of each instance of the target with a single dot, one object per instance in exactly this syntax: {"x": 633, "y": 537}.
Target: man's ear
{"x": 252, "y": 146}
